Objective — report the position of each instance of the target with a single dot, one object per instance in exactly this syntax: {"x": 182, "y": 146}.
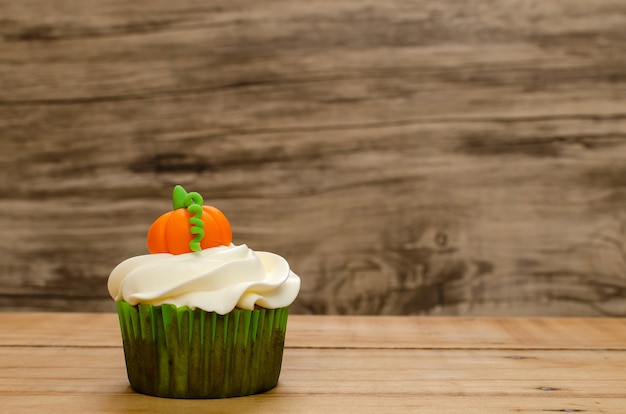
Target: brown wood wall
{"x": 406, "y": 157}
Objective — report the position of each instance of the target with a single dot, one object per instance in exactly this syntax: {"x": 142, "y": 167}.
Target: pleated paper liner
{"x": 178, "y": 352}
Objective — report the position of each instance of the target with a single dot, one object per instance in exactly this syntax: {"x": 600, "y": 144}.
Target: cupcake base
{"x": 178, "y": 352}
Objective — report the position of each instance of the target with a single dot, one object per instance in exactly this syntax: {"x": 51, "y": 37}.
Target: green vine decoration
{"x": 193, "y": 203}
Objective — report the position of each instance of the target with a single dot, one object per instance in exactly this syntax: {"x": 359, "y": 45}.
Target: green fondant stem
{"x": 193, "y": 203}
{"x": 179, "y": 196}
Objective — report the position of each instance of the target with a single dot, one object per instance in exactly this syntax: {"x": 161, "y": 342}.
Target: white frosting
{"x": 215, "y": 280}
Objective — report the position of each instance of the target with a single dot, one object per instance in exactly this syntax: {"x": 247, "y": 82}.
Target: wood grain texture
{"x": 362, "y": 332}
{"x": 94, "y": 379}
{"x": 436, "y": 158}
{"x": 405, "y": 368}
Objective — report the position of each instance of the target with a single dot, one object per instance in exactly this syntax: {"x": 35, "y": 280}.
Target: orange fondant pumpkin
{"x": 170, "y": 233}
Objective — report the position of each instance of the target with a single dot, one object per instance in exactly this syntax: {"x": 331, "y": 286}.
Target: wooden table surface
{"x": 73, "y": 363}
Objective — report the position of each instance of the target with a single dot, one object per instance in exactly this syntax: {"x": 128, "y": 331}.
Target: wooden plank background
{"x": 406, "y": 157}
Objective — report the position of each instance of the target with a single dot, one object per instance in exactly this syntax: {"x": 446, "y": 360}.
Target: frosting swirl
{"x": 216, "y": 279}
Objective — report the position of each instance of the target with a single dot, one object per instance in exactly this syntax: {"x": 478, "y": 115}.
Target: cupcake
{"x": 201, "y": 317}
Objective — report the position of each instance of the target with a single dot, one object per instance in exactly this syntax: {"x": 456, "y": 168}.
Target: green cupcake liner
{"x": 178, "y": 352}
